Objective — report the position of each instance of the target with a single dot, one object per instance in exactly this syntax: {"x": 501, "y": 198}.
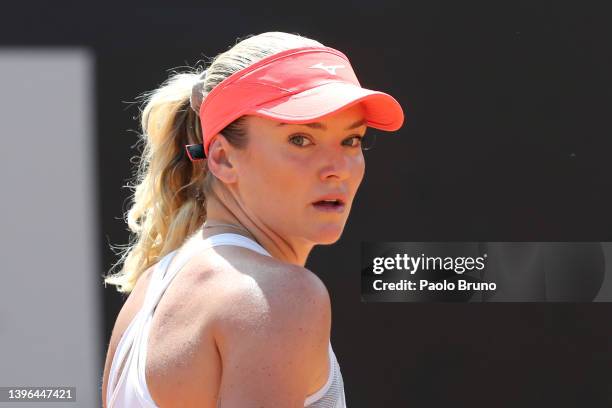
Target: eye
{"x": 300, "y": 140}
{"x": 353, "y": 141}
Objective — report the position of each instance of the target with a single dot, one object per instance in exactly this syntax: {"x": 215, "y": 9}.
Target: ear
{"x": 219, "y": 159}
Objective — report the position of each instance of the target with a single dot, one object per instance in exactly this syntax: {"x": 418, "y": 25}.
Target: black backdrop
{"x": 507, "y": 137}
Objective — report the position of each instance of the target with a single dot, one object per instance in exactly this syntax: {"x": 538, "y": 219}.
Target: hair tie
{"x": 195, "y": 152}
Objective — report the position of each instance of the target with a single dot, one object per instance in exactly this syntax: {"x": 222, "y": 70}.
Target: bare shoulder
{"x": 274, "y": 293}
{"x": 272, "y": 331}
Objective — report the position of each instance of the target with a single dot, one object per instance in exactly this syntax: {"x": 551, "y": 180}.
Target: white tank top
{"x": 128, "y": 388}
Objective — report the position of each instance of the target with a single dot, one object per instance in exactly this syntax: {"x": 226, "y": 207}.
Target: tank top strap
{"x": 236, "y": 240}
{"x": 127, "y": 349}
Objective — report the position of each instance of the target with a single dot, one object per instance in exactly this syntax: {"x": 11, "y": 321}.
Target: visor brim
{"x": 382, "y": 110}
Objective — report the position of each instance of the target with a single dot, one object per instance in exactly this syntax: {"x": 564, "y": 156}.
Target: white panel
{"x": 49, "y": 299}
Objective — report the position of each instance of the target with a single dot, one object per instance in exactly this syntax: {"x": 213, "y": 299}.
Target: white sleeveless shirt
{"x": 128, "y": 388}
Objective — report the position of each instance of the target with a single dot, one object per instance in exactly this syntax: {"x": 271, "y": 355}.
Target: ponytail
{"x": 168, "y": 202}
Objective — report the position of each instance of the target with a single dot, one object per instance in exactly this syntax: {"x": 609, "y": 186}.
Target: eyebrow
{"x": 319, "y": 125}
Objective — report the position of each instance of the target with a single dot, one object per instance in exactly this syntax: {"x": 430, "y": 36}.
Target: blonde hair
{"x": 170, "y": 190}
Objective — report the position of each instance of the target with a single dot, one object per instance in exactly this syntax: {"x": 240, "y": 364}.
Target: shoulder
{"x": 274, "y": 296}
{"x": 272, "y": 331}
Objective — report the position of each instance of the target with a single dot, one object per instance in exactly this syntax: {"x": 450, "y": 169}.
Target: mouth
{"x": 336, "y": 205}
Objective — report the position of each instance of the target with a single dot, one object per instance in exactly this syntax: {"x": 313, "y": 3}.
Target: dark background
{"x": 507, "y": 138}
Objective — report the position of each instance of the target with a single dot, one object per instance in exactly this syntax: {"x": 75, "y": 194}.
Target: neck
{"x": 226, "y": 210}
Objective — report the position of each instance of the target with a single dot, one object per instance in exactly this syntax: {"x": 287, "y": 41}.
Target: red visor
{"x": 299, "y": 85}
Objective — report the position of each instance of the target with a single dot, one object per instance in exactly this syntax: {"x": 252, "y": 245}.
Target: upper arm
{"x": 273, "y": 338}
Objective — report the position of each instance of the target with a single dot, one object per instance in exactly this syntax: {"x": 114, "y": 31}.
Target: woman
{"x": 272, "y": 132}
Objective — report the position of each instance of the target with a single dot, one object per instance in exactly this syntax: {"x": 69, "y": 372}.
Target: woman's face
{"x": 287, "y": 168}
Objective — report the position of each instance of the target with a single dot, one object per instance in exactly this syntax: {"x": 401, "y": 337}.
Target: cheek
{"x": 274, "y": 179}
{"x": 358, "y": 170}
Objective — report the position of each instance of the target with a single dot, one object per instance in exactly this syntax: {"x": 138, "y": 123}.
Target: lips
{"x": 330, "y": 202}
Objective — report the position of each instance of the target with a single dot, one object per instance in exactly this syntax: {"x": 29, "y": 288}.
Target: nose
{"x": 335, "y": 164}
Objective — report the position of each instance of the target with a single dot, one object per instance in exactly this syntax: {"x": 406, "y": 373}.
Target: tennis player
{"x": 246, "y": 167}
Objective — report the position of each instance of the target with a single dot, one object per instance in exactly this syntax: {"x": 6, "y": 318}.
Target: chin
{"x": 328, "y": 235}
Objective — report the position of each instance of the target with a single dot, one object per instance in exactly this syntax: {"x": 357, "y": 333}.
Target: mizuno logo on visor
{"x": 331, "y": 69}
